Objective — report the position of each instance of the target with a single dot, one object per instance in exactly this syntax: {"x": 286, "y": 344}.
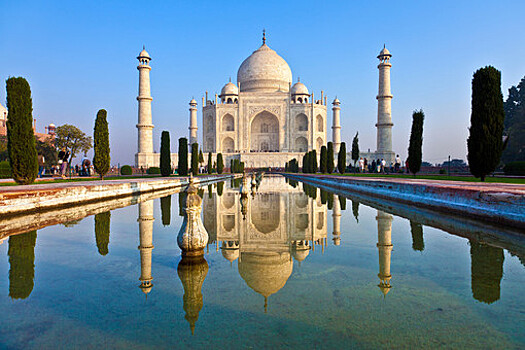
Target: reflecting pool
{"x": 288, "y": 266}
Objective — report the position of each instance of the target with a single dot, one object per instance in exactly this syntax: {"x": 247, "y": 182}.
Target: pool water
{"x": 291, "y": 266}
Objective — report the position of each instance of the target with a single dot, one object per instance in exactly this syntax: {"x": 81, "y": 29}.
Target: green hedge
{"x": 5, "y": 170}
{"x": 126, "y": 170}
{"x": 154, "y": 170}
{"x": 514, "y": 168}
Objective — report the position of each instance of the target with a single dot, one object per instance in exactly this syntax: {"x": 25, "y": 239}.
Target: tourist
{"x": 383, "y": 165}
{"x": 373, "y": 166}
{"x": 366, "y": 165}
{"x": 41, "y": 165}
{"x": 63, "y": 155}
{"x": 398, "y": 164}
{"x": 361, "y": 165}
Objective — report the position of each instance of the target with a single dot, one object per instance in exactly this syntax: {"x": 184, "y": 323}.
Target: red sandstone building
{"x": 48, "y": 135}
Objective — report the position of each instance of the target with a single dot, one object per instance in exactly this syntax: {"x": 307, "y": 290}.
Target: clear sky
{"x": 80, "y": 56}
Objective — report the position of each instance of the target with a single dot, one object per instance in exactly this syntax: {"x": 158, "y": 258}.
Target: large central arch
{"x": 264, "y": 133}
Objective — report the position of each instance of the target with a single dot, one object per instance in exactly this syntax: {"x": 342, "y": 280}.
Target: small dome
{"x": 230, "y": 89}
{"x": 265, "y": 273}
{"x": 384, "y": 52}
{"x": 299, "y": 89}
{"x": 144, "y": 54}
{"x": 301, "y": 254}
{"x": 336, "y": 102}
{"x": 265, "y": 71}
{"x": 52, "y": 125}
{"x": 193, "y": 102}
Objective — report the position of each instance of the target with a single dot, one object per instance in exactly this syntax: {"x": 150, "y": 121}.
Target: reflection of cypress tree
{"x": 417, "y": 236}
{"x": 165, "y": 209}
{"x": 486, "y": 271}
{"x": 324, "y": 196}
{"x": 102, "y": 221}
{"x": 182, "y": 201}
{"x": 210, "y": 191}
{"x": 200, "y": 192}
{"x": 330, "y": 200}
{"x": 22, "y": 261}
{"x": 342, "y": 202}
{"x": 355, "y": 210}
{"x": 220, "y": 188}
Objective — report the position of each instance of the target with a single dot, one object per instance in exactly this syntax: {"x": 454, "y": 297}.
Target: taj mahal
{"x": 265, "y": 119}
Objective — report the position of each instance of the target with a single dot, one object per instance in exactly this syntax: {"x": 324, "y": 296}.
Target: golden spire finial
{"x": 264, "y": 36}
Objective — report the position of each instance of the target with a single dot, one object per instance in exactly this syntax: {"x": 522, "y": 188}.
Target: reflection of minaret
{"x": 486, "y": 271}
{"x": 192, "y": 271}
{"x": 384, "y": 245}
{"x": 21, "y": 253}
{"x": 336, "y": 216}
{"x": 146, "y": 244}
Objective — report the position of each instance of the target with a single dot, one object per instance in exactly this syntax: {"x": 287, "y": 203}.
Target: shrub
{"x": 165, "y": 154}
{"x": 220, "y": 164}
{"x": 512, "y": 168}
{"x": 442, "y": 171}
{"x": 5, "y": 170}
{"x": 126, "y": 170}
{"x": 154, "y": 170}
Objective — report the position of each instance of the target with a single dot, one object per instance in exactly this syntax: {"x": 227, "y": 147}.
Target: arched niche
{"x": 301, "y": 122}
{"x": 228, "y": 123}
{"x": 320, "y": 123}
{"x": 228, "y": 145}
{"x": 301, "y": 144}
{"x": 264, "y": 133}
{"x": 266, "y": 212}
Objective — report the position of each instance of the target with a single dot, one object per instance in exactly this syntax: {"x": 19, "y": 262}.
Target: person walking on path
{"x": 41, "y": 164}
{"x": 398, "y": 164}
{"x": 63, "y": 155}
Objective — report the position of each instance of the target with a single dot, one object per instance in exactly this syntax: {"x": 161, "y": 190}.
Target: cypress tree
{"x": 195, "y": 159}
{"x": 355, "y": 210}
{"x": 165, "y": 154}
{"x": 220, "y": 164}
{"x": 210, "y": 164}
{"x": 102, "y": 225}
{"x": 341, "y": 158}
{"x": 416, "y": 142}
{"x": 165, "y": 209}
{"x": 220, "y": 188}
{"x": 183, "y": 157}
{"x": 101, "y": 159}
{"x": 417, "y": 236}
{"x": 330, "y": 158}
{"x": 21, "y": 144}
{"x": 305, "y": 163}
{"x": 201, "y": 157}
{"x": 231, "y": 166}
{"x": 486, "y": 123}
{"x": 486, "y": 271}
{"x": 355, "y": 148}
{"x": 315, "y": 167}
{"x": 323, "y": 165}
{"x": 342, "y": 202}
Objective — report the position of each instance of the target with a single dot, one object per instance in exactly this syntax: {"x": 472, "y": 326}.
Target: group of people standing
{"x": 379, "y": 166}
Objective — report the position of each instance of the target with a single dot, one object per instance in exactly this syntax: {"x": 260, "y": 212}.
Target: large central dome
{"x": 264, "y": 71}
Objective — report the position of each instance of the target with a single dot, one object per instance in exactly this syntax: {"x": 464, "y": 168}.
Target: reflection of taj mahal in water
{"x": 280, "y": 223}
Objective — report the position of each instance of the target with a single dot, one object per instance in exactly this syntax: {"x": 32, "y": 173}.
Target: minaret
{"x": 384, "y": 109}
{"x": 144, "y": 156}
{"x": 193, "y": 122}
{"x": 146, "y": 244}
{"x": 336, "y": 216}
{"x": 336, "y": 125}
{"x": 384, "y": 245}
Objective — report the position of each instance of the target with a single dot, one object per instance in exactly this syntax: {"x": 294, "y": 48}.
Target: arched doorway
{"x": 228, "y": 145}
{"x": 301, "y": 144}
{"x": 264, "y": 133}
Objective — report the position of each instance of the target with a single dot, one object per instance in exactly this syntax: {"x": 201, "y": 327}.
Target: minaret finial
{"x": 384, "y": 46}
{"x": 298, "y": 79}
{"x": 230, "y": 79}
{"x": 143, "y": 47}
{"x": 264, "y": 36}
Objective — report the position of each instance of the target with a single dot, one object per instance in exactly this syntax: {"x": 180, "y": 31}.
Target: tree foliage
{"x": 72, "y": 139}
{"x": 355, "y": 148}
{"x": 415, "y": 153}
{"x": 21, "y": 144}
{"x": 48, "y": 150}
{"x": 416, "y": 230}
{"x": 201, "y": 157}
{"x": 486, "y": 271}
{"x": 210, "y": 163}
{"x": 182, "y": 167}
{"x": 165, "y": 154}
{"x": 102, "y": 229}
{"x": 323, "y": 161}
{"x": 195, "y": 159}
{"x": 330, "y": 158}
{"x": 220, "y": 163}
{"x": 485, "y": 142}
{"x": 514, "y": 124}
{"x": 341, "y": 158}
{"x": 101, "y": 159}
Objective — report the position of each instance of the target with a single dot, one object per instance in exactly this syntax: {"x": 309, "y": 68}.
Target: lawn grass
{"x": 491, "y": 179}
{"x": 82, "y": 179}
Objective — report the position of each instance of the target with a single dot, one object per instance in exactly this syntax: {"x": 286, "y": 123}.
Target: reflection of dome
{"x": 299, "y": 89}
{"x": 229, "y": 89}
{"x": 300, "y": 255}
{"x": 263, "y": 71}
{"x": 266, "y": 273}
{"x": 230, "y": 254}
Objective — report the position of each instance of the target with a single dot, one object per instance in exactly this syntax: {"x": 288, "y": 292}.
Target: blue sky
{"x": 79, "y": 56}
